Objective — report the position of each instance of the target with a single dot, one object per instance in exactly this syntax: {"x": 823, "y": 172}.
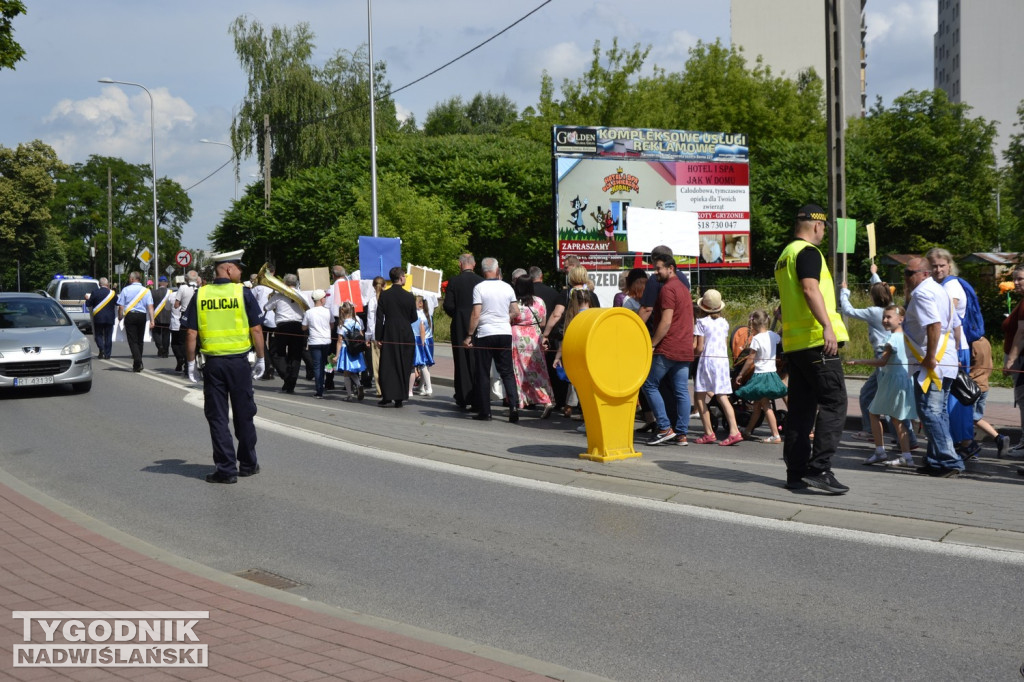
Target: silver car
{"x": 40, "y": 345}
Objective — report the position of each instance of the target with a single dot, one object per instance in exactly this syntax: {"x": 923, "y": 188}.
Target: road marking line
{"x": 849, "y": 535}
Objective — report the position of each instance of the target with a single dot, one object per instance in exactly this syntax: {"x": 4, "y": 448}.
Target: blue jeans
{"x": 678, "y": 372}
{"x": 931, "y": 408}
{"x": 867, "y": 394}
{"x": 319, "y": 354}
{"x": 961, "y": 422}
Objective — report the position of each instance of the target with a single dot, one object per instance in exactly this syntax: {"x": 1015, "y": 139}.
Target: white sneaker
{"x": 582, "y": 428}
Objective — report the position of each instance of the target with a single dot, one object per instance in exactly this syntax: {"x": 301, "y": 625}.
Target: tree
{"x": 79, "y": 210}
{"x": 316, "y": 113}
{"x": 483, "y": 115}
{"x": 716, "y": 91}
{"x": 934, "y": 170}
{"x": 491, "y": 194}
{"x": 10, "y": 51}
{"x": 1011, "y": 187}
{"x": 27, "y": 235}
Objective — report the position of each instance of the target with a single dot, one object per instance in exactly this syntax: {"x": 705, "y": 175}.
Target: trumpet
{"x": 266, "y": 279}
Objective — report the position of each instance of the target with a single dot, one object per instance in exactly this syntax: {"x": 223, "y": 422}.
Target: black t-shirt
{"x": 808, "y": 264}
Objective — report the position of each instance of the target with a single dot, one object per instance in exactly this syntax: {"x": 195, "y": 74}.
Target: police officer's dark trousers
{"x": 228, "y": 377}
{"x": 817, "y": 400}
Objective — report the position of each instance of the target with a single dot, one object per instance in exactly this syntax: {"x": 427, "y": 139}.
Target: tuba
{"x": 266, "y": 279}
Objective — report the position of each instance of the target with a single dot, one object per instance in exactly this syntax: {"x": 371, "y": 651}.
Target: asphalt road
{"x": 624, "y": 587}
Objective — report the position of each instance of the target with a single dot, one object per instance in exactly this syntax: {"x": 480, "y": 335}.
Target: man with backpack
{"x": 968, "y": 309}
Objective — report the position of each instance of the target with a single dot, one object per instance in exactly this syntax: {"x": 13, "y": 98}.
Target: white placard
{"x": 650, "y": 227}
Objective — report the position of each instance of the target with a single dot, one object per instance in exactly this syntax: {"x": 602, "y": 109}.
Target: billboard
{"x": 602, "y": 175}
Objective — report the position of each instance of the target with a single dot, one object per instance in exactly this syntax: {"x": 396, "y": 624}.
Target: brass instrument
{"x": 266, "y": 279}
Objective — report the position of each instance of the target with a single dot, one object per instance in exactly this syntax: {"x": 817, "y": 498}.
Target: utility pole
{"x": 110, "y": 225}
{"x": 266, "y": 176}
{"x": 836, "y": 122}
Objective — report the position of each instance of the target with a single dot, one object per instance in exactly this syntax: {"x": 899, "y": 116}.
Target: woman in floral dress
{"x": 527, "y": 352}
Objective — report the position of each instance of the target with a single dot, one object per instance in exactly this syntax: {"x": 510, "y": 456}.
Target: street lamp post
{"x": 152, "y": 131}
{"x": 233, "y": 156}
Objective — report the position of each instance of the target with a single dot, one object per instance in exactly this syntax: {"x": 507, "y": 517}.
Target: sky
{"x": 182, "y": 53}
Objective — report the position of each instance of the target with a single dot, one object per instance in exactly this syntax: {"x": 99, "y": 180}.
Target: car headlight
{"x": 75, "y": 347}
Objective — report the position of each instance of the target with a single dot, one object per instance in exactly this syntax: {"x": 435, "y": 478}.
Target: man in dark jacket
{"x": 103, "y": 306}
{"x": 458, "y": 304}
{"x": 163, "y": 304}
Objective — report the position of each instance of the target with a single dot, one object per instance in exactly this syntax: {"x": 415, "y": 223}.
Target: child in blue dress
{"x": 349, "y": 364}
{"x": 895, "y": 395}
{"x": 423, "y": 331}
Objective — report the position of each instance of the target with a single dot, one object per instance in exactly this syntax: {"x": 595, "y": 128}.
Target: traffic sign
{"x": 183, "y": 258}
{"x": 169, "y": 269}
{"x": 145, "y": 255}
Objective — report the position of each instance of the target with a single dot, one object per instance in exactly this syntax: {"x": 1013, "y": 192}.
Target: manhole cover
{"x": 258, "y": 575}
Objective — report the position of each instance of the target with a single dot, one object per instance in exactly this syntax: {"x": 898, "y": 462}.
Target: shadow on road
{"x": 178, "y": 467}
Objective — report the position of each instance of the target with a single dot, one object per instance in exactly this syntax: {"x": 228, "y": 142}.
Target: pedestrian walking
{"x": 458, "y": 304}
{"x": 348, "y": 352}
{"x": 316, "y": 324}
{"x": 758, "y": 380}
{"x": 928, "y": 330}
{"x": 396, "y": 311}
{"x": 134, "y": 308}
{"x": 711, "y": 334}
{"x": 894, "y": 394}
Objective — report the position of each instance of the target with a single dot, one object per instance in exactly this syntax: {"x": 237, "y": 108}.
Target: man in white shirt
{"x": 929, "y": 330}
{"x": 290, "y": 340}
{"x": 490, "y": 335}
{"x": 263, "y": 293}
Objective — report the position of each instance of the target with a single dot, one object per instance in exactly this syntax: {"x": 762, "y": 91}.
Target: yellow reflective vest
{"x": 800, "y": 329}
{"x": 223, "y": 324}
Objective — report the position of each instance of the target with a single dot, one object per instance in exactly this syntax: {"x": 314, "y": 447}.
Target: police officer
{"x": 812, "y": 333}
{"x": 226, "y": 318}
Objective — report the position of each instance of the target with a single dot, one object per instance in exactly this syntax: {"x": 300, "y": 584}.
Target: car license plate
{"x": 32, "y": 381}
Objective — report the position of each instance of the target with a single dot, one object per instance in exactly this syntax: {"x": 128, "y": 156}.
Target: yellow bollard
{"x": 607, "y": 355}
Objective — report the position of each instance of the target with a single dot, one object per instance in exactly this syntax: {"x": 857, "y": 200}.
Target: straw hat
{"x": 711, "y": 301}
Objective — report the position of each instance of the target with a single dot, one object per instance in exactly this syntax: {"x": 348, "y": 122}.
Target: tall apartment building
{"x": 790, "y": 36}
{"x": 979, "y": 55}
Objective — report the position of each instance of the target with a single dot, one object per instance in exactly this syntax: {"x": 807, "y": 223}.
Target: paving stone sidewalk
{"x": 51, "y": 563}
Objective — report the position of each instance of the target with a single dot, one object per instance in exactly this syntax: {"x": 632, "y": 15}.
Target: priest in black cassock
{"x": 396, "y": 311}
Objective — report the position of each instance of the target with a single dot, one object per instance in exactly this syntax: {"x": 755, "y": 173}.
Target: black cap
{"x": 812, "y": 212}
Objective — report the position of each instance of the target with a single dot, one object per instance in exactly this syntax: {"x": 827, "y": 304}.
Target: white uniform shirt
{"x": 284, "y": 308}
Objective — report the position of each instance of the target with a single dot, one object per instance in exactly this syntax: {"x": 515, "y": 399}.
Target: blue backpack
{"x": 973, "y": 323}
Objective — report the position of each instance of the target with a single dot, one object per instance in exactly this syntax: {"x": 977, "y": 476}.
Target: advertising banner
{"x": 602, "y": 173}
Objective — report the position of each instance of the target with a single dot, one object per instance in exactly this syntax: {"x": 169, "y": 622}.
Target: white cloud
{"x": 890, "y": 22}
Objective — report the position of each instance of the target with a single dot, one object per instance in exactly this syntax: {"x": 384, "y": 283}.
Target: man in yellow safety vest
{"x": 812, "y": 333}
